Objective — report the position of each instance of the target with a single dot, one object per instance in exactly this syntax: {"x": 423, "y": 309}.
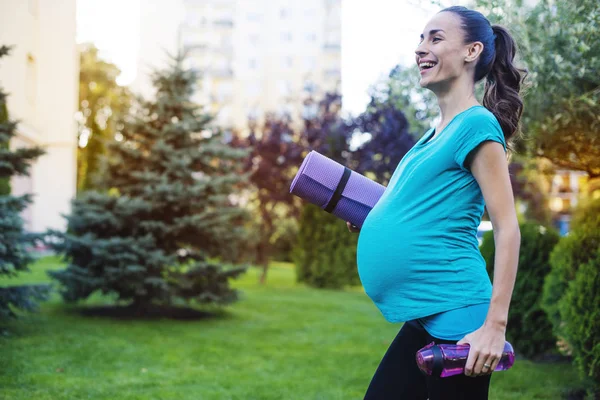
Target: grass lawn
{"x": 281, "y": 341}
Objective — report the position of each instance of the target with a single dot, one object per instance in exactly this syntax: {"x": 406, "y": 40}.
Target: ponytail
{"x": 503, "y": 84}
{"x": 503, "y": 78}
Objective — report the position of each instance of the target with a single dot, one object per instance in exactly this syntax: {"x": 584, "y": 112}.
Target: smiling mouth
{"x": 426, "y": 66}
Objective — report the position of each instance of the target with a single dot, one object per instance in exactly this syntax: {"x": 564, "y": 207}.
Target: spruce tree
{"x": 168, "y": 211}
{"x": 14, "y": 256}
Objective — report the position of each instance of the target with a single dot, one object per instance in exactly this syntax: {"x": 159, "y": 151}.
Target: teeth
{"x": 426, "y": 64}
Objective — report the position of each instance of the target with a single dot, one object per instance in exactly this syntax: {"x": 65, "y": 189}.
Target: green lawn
{"x": 281, "y": 341}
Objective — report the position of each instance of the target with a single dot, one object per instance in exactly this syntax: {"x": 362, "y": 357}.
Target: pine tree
{"x": 167, "y": 209}
{"x": 14, "y": 240}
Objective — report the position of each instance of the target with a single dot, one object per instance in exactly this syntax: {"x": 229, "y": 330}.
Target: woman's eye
{"x": 437, "y": 38}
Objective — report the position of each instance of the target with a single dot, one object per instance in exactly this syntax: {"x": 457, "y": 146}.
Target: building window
{"x": 252, "y": 63}
{"x": 253, "y": 39}
{"x": 333, "y": 36}
{"x": 310, "y": 110}
{"x": 224, "y": 115}
{"x": 226, "y": 42}
{"x": 284, "y": 13}
{"x": 226, "y": 22}
{"x": 310, "y": 63}
{"x": 192, "y": 20}
{"x": 253, "y": 89}
{"x": 285, "y": 87}
{"x": 310, "y": 12}
{"x": 310, "y": 86}
{"x": 254, "y": 17}
{"x": 311, "y": 37}
{"x": 224, "y": 92}
{"x": 286, "y": 36}
{"x": 285, "y": 110}
{"x": 254, "y": 112}
{"x": 331, "y": 72}
{"x": 288, "y": 62}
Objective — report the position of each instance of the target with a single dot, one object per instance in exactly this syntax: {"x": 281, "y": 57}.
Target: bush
{"x": 284, "y": 239}
{"x": 580, "y": 310}
{"x": 573, "y": 250}
{"x": 572, "y": 291}
{"x": 325, "y": 252}
{"x": 529, "y": 328}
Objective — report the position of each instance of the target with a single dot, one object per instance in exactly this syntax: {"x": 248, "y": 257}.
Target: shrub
{"x": 529, "y": 328}
{"x": 284, "y": 239}
{"x": 571, "y": 291}
{"x": 573, "y": 250}
{"x": 325, "y": 252}
{"x": 580, "y": 311}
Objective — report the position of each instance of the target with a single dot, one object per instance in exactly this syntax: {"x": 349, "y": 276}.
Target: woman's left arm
{"x": 490, "y": 168}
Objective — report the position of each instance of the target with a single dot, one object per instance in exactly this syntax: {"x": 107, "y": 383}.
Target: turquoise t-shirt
{"x": 417, "y": 250}
{"x": 455, "y": 324}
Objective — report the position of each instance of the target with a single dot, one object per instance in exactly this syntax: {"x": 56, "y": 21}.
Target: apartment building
{"x": 254, "y": 56}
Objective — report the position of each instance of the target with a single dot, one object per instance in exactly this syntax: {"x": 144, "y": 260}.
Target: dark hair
{"x": 504, "y": 79}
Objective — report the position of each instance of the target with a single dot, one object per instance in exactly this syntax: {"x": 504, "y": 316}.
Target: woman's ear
{"x": 473, "y": 51}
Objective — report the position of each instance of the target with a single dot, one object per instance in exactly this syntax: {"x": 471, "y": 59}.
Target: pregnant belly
{"x": 393, "y": 261}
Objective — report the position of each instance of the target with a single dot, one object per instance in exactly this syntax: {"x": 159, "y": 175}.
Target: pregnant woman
{"x": 417, "y": 254}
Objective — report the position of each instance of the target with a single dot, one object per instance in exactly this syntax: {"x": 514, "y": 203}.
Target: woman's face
{"x": 441, "y": 45}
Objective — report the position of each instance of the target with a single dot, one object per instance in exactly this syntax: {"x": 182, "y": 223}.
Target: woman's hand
{"x": 487, "y": 345}
{"x": 352, "y": 228}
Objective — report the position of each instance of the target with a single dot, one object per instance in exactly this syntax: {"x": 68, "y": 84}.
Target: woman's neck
{"x": 455, "y": 99}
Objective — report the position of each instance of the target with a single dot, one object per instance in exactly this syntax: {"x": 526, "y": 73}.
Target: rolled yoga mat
{"x": 336, "y": 188}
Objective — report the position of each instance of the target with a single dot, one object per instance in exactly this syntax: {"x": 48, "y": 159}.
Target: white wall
{"x": 42, "y": 75}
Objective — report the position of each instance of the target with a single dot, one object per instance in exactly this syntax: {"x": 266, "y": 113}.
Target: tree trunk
{"x": 263, "y": 260}
{"x": 262, "y": 256}
{"x": 263, "y": 275}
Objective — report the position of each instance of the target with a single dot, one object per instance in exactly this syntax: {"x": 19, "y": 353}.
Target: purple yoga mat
{"x": 335, "y": 188}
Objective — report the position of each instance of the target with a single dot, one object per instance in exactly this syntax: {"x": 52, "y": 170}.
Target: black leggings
{"x": 398, "y": 376}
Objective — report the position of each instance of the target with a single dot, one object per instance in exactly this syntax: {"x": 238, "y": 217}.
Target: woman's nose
{"x": 420, "y": 51}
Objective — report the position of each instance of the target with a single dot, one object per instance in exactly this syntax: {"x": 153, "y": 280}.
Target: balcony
{"x": 221, "y": 72}
{"x": 226, "y": 49}
{"x": 195, "y": 47}
{"x": 223, "y": 23}
{"x": 332, "y": 47}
